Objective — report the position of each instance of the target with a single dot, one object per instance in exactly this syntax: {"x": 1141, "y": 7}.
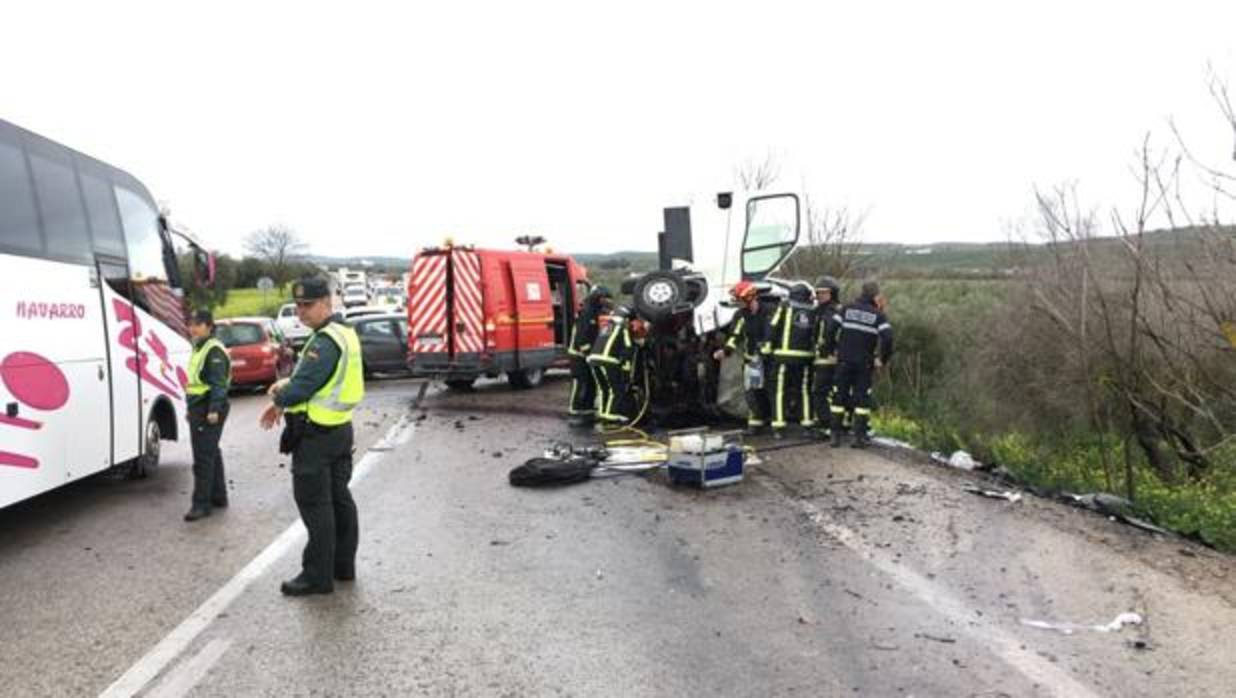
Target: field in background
{"x": 250, "y": 302}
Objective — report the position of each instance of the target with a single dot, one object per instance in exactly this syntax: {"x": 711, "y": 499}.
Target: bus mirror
{"x": 204, "y": 267}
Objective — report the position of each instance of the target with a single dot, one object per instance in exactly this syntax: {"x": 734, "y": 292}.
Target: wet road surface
{"x": 824, "y": 573}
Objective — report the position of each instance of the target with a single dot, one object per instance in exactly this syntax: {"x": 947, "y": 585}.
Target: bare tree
{"x": 278, "y": 246}
{"x": 758, "y": 175}
{"x": 833, "y": 238}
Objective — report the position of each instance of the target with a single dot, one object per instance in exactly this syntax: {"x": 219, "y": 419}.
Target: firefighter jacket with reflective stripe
{"x": 791, "y": 332}
{"x": 859, "y": 332}
{"x": 209, "y": 376}
{"x": 748, "y": 330}
{"x": 824, "y": 313}
{"x": 584, "y": 334}
{"x": 334, "y": 401}
{"x": 613, "y": 345}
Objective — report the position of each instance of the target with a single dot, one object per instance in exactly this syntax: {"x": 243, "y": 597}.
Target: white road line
{"x": 1004, "y": 645}
{"x": 178, "y": 682}
{"x": 176, "y": 642}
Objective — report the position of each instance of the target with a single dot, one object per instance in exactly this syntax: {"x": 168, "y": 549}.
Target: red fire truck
{"x": 474, "y": 312}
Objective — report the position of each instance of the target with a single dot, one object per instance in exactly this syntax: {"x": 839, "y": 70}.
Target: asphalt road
{"x": 824, "y": 573}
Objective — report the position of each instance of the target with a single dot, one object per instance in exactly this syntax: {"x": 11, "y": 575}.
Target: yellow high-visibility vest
{"x": 332, "y": 405}
{"x": 198, "y": 359}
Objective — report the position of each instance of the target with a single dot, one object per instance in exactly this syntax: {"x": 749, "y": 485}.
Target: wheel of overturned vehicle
{"x": 657, "y": 294}
{"x": 460, "y": 383}
{"x": 527, "y": 378}
{"x": 145, "y": 464}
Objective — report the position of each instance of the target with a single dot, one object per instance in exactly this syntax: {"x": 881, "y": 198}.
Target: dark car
{"x": 384, "y": 342}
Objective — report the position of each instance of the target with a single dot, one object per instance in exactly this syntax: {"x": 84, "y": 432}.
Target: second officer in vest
{"x": 210, "y": 376}
{"x": 316, "y": 403}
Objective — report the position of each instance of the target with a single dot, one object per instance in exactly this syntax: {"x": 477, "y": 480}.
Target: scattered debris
{"x": 459, "y": 424}
{"x": 1139, "y": 644}
{"x": 936, "y": 638}
{"x": 960, "y": 460}
{"x": 891, "y": 442}
{"x": 993, "y": 494}
{"x": 499, "y": 542}
{"x": 1069, "y": 628}
{"x": 599, "y": 575}
{"x": 497, "y": 454}
{"x": 1102, "y": 502}
{"x": 803, "y": 620}
{"x": 1186, "y": 552}
{"x": 885, "y": 647}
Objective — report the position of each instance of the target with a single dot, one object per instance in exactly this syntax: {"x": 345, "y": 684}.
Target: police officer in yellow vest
{"x": 316, "y": 403}
{"x": 210, "y": 376}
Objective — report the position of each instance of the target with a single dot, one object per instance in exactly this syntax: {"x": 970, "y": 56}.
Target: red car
{"x": 260, "y": 353}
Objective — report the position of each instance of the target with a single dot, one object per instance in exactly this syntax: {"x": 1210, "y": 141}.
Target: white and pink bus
{"x": 93, "y": 341}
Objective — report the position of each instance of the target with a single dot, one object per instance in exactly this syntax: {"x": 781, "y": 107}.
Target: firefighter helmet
{"x": 829, "y": 283}
{"x": 744, "y": 291}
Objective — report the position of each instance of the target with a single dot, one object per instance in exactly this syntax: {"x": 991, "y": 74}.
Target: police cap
{"x": 310, "y": 288}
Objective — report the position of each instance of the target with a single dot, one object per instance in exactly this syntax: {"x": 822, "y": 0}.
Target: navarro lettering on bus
{"x": 50, "y": 311}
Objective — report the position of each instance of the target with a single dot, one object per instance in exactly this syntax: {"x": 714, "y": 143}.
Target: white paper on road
{"x": 1069, "y": 628}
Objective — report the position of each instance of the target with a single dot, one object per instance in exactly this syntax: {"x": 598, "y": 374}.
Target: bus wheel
{"x": 460, "y": 383}
{"x": 526, "y": 378}
{"x": 145, "y": 464}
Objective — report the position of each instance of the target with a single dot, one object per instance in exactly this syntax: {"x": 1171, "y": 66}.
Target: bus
{"x": 93, "y": 320}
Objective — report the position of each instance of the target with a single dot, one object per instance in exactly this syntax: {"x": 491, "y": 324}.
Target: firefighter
{"x": 748, "y": 330}
{"x": 613, "y": 365}
{"x": 582, "y": 410}
{"x": 827, "y": 295}
{"x": 791, "y": 345}
{"x": 862, "y": 338}
{"x": 210, "y": 376}
{"x": 317, "y": 404}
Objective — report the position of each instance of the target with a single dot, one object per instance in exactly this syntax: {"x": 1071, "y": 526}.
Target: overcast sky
{"x": 375, "y": 128}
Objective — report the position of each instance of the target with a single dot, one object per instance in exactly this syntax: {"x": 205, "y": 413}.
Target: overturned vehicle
{"x": 685, "y": 304}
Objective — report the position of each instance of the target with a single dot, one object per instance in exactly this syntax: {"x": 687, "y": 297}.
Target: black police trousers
{"x": 209, "y": 481}
{"x": 614, "y": 386}
{"x": 852, "y": 389}
{"x": 583, "y": 389}
{"x": 821, "y": 391}
{"x": 321, "y": 470}
{"x": 792, "y": 396}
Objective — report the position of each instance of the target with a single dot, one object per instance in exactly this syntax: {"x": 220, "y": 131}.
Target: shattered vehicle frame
{"x": 686, "y": 302}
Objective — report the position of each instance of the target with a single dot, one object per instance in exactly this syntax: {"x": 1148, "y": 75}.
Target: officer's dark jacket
{"x": 316, "y": 366}
{"x": 215, "y": 370}
{"x": 792, "y": 332}
{"x": 585, "y": 332}
{"x": 824, "y": 312}
{"x": 613, "y": 345}
{"x": 859, "y": 332}
{"x": 749, "y": 328}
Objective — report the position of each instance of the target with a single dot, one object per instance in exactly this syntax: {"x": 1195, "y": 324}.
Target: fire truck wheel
{"x": 527, "y": 378}
{"x": 460, "y": 383}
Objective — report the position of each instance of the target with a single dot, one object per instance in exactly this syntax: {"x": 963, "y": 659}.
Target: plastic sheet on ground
{"x": 960, "y": 460}
{"x": 1069, "y": 628}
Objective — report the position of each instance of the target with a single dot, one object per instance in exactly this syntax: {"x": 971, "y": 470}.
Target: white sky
{"x": 373, "y": 128}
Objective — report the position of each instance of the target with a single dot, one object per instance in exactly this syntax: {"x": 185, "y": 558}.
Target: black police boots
{"x": 835, "y": 430}
{"x": 302, "y": 587}
{"x": 197, "y": 513}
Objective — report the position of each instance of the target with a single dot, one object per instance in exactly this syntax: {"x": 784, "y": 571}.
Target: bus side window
{"x": 60, "y": 203}
{"x": 19, "y": 224}
{"x": 141, "y": 231}
{"x": 101, "y": 210}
